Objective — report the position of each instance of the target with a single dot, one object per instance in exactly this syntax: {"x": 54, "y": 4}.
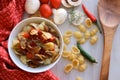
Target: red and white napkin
{"x": 11, "y": 12}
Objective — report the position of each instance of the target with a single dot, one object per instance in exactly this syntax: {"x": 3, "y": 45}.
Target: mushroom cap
{"x": 74, "y": 2}
{"x": 66, "y": 4}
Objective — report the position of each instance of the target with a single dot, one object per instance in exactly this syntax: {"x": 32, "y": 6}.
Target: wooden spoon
{"x": 109, "y": 14}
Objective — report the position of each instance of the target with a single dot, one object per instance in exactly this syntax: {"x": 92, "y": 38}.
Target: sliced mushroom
{"x": 55, "y": 58}
{"x": 40, "y": 56}
{"x": 51, "y": 53}
{"x": 74, "y": 2}
{"x": 66, "y": 4}
{"x": 22, "y": 42}
{"x": 34, "y": 25}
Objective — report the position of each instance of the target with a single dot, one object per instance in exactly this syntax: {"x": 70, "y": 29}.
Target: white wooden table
{"x": 93, "y": 70}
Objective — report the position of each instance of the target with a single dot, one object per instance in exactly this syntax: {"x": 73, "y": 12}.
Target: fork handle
{"x": 108, "y": 38}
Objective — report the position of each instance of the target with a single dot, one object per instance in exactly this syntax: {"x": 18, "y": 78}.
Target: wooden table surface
{"x": 93, "y": 70}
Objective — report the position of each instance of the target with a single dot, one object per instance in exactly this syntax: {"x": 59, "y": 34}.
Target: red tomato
{"x": 44, "y": 1}
{"x": 55, "y": 3}
{"x": 30, "y": 55}
{"x": 26, "y": 35}
{"x": 45, "y": 10}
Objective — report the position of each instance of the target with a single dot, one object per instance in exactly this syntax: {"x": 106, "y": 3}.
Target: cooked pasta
{"x": 36, "y": 47}
{"x": 82, "y": 67}
{"x": 41, "y": 26}
{"x": 94, "y": 39}
{"x": 68, "y": 68}
{"x": 23, "y": 59}
{"x": 88, "y": 23}
{"x": 75, "y": 63}
{"x": 55, "y": 57}
{"x": 27, "y": 28}
{"x": 49, "y": 46}
{"x": 34, "y": 32}
{"x": 77, "y": 34}
{"x": 82, "y": 28}
{"x": 15, "y": 42}
{"x": 75, "y": 50}
{"x": 35, "y": 25}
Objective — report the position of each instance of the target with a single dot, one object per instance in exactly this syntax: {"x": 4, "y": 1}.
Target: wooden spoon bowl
{"x": 109, "y": 14}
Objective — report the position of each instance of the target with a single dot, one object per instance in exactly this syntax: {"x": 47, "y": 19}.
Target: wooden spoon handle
{"x": 108, "y": 38}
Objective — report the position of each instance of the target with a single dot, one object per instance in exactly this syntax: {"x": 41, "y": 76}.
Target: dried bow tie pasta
{"x": 75, "y": 50}
{"x": 75, "y": 63}
{"x": 94, "y": 39}
{"x": 68, "y": 68}
{"x": 88, "y": 23}
{"x": 82, "y": 28}
{"x": 77, "y": 34}
{"x": 82, "y": 67}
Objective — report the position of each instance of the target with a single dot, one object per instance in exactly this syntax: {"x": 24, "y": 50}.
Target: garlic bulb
{"x": 59, "y": 15}
{"x": 31, "y": 6}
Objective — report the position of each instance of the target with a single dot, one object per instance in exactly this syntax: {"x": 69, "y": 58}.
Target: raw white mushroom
{"x": 31, "y": 6}
{"x": 74, "y": 2}
{"x": 59, "y": 15}
{"x": 66, "y": 4}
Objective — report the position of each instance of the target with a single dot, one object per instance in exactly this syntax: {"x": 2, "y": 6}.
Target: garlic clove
{"x": 31, "y": 6}
{"x": 59, "y": 15}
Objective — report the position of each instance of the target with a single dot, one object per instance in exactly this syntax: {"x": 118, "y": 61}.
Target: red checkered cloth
{"x": 11, "y": 12}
